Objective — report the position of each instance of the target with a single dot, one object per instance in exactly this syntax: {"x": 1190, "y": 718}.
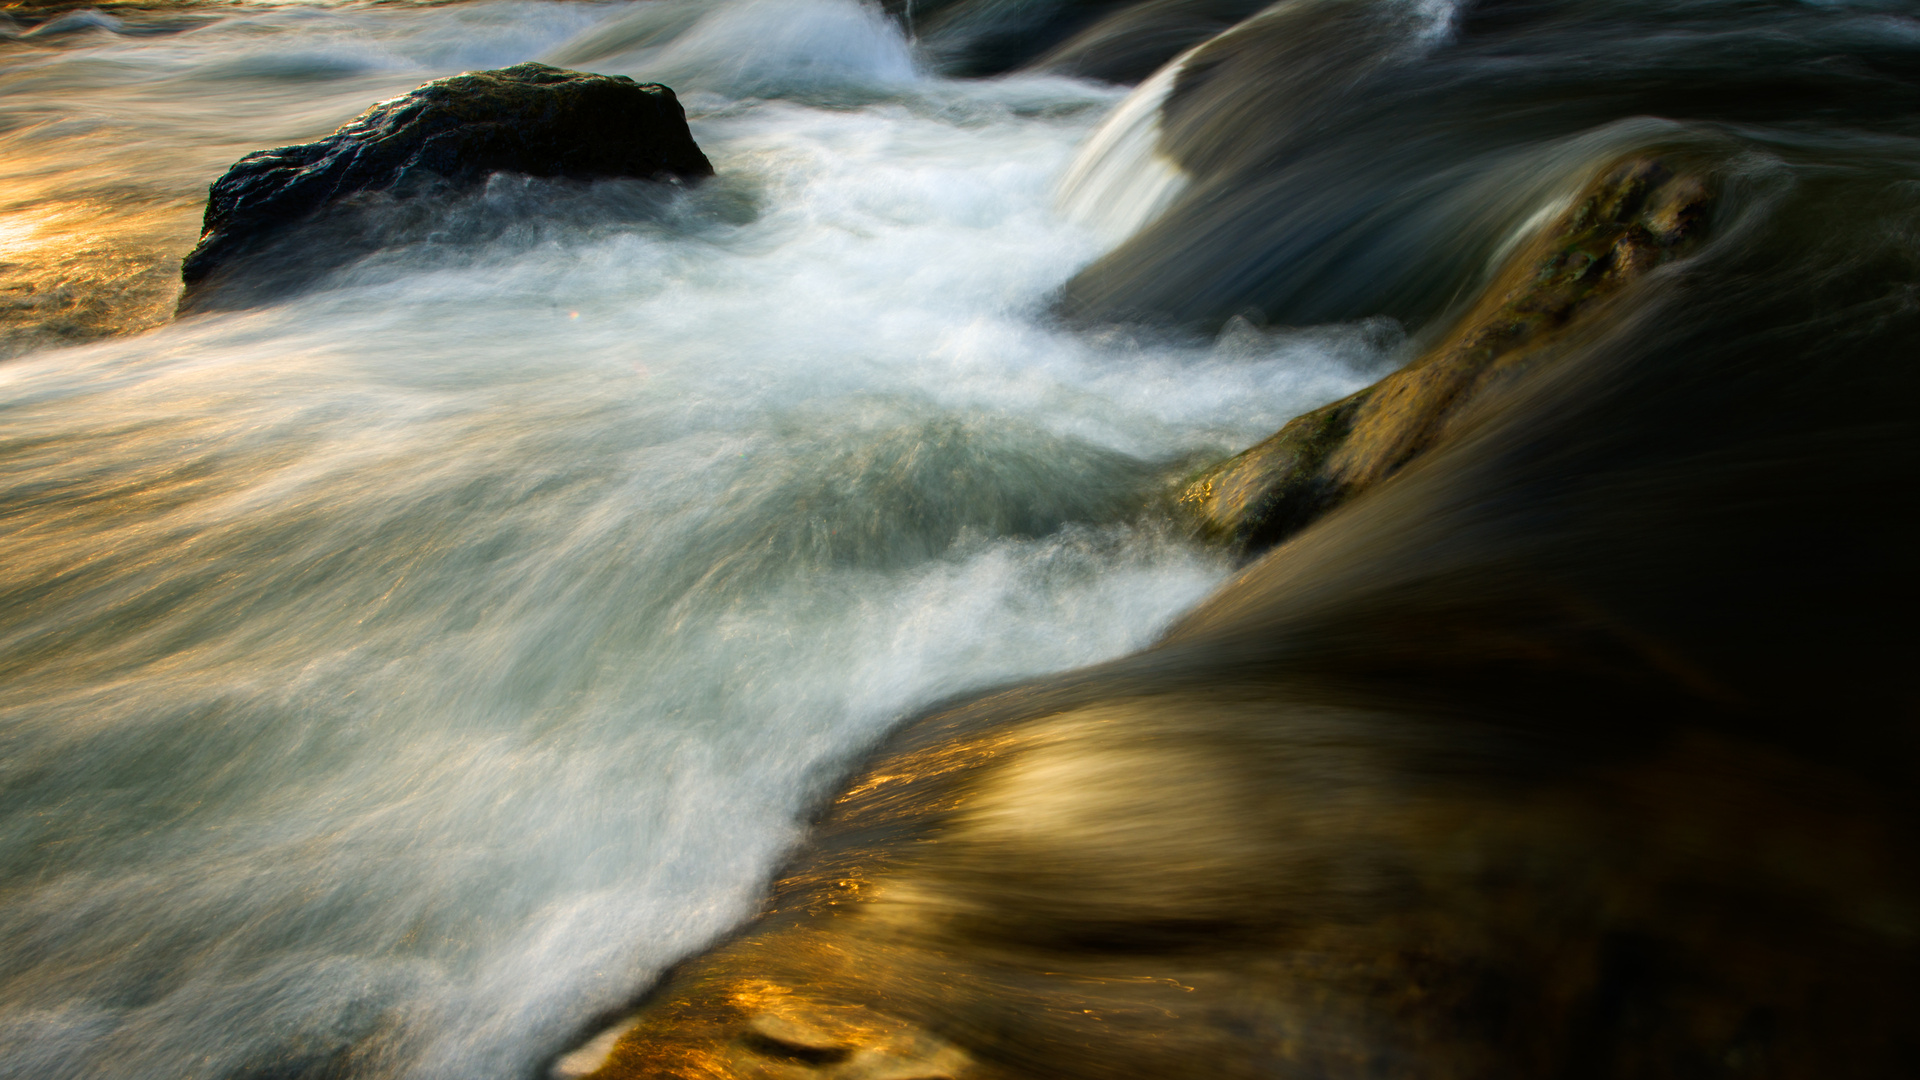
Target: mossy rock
{"x": 1642, "y": 213}
{"x": 529, "y": 118}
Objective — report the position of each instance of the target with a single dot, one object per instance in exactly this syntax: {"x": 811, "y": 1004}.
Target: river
{"x": 415, "y": 666}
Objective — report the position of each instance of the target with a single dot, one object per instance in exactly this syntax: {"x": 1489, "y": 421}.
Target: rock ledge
{"x": 1640, "y": 214}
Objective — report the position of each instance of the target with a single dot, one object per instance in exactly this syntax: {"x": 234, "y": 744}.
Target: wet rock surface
{"x": 1638, "y": 216}
{"x": 1111, "y": 40}
{"x": 1348, "y": 160}
{"x": 531, "y": 119}
{"x": 1579, "y": 748}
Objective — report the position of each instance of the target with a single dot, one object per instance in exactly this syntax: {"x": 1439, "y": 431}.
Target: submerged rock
{"x": 1640, "y": 215}
{"x": 529, "y": 118}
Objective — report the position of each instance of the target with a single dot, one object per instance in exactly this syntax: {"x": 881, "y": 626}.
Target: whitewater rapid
{"x": 400, "y": 675}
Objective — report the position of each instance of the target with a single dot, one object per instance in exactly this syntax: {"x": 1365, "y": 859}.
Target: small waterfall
{"x": 1120, "y": 182}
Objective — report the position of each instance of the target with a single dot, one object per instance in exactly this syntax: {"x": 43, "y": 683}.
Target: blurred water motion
{"x": 83, "y": 269}
{"x": 400, "y": 675}
{"x": 1580, "y": 744}
{"x": 405, "y": 675}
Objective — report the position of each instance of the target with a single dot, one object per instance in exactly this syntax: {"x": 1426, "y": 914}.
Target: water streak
{"x": 1120, "y": 181}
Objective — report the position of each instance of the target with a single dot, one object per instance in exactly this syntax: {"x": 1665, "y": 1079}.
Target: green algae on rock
{"x": 1640, "y": 214}
{"x": 530, "y": 118}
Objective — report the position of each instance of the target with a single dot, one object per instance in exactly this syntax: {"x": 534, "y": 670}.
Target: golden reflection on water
{"x": 107, "y": 147}
{"x": 72, "y": 270}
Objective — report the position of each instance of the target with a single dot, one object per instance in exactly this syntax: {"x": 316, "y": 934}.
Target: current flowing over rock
{"x": 1635, "y": 218}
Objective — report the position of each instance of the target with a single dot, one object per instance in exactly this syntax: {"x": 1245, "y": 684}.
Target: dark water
{"x": 402, "y": 675}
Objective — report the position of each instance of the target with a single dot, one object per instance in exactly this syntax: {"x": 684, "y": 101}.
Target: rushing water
{"x": 399, "y": 675}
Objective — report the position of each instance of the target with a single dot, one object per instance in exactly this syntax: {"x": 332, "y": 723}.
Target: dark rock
{"x": 1344, "y": 159}
{"x": 529, "y": 118}
{"x": 974, "y": 38}
{"x": 1114, "y": 40}
{"x": 1640, "y": 215}
{"x": 1133, "y": 42}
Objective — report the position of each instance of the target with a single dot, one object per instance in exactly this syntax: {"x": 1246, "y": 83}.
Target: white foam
{"x": 1435, "y": 20}
{"x": 591, "y": 1054}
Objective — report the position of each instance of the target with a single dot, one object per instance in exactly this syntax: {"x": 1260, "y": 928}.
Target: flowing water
{"x": 401, "y": 674}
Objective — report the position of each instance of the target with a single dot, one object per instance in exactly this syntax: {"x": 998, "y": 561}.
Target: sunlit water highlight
{"x": 400, "y": 675}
